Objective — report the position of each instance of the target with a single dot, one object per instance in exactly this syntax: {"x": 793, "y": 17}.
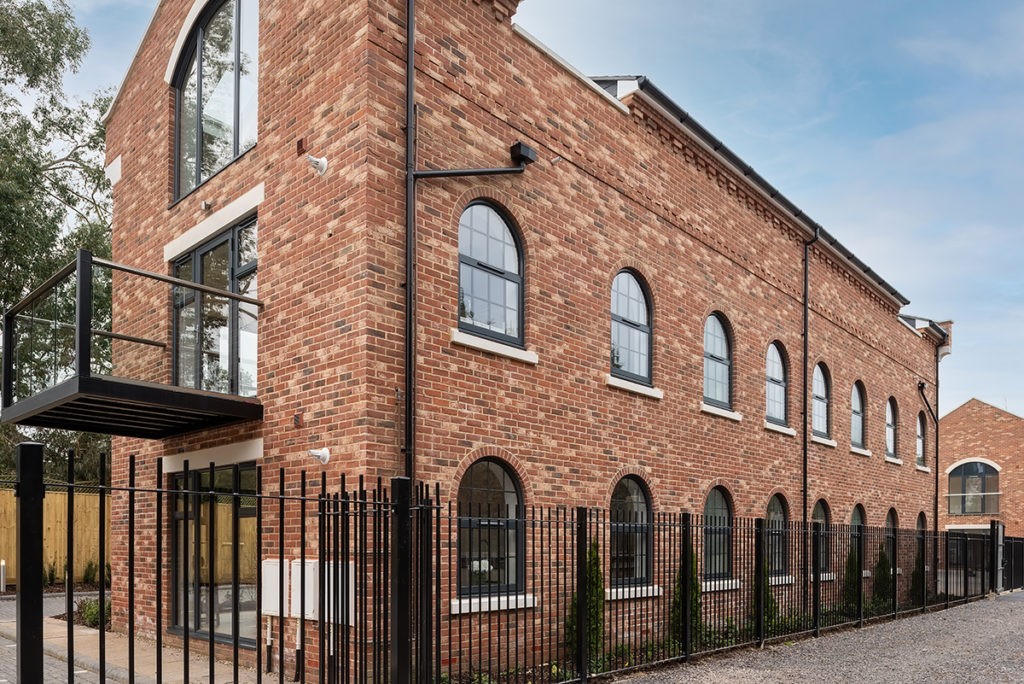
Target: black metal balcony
{"x": 60, "y": 353}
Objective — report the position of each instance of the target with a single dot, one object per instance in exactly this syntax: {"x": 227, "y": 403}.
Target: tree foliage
{"x": 54, "y": 197}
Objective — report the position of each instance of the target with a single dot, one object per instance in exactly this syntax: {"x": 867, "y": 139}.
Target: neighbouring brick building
{"x": 982, "y": 449}
{"x": 615, "y": 320}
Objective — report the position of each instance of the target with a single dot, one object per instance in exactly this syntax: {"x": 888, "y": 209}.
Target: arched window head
{"x": 717, "y": 535}
{"x": 922, "y": 522}
{"x": 891, "y": 418}
{"x": 974, "y": 489}
{"x": 892, "y": 523}
{"x": 216, "y": 92}
{"x": 490, "y": 539}
{"x": 776, "y": 378}
{"x": 631, "y": 329}
{"x": 821, "y": 419}
{"x": 919, "y": 443}
{"x": 490, "y": 275}
{"x": 717, "y": 363}
{"x": 857, "y": 518}
{"x": 857, "y": 415}
{"x": 630, "y": 533}
{"x": 777, "y": 529}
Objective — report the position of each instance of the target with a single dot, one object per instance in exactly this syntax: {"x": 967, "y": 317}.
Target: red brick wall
{"x": 611, "y": 189}
{"x": 977, "y": 430}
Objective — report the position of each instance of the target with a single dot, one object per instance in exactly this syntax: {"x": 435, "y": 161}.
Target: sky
{"x": 896, "y": 124}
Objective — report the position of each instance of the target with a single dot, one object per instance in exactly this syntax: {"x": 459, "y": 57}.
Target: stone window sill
{"x": 894, "y": 461}
{"x": 632, "y": 592}
{"x": 634, "y": 387}
{"x": 493, "y": 347}
{"x": 824, "y": 441}
{"x": 720, "y": 412}
{"x": 924, "y": 469}
{"x": 781, "y": 429}
{"x": 719, "y": 585}
{"x": 486, "y": 604}
{"x": 860, "y": 452}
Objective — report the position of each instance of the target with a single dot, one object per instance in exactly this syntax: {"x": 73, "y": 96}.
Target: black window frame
{"x": 825, "y": 547}
{"x": 183, "y": 297}
{"x": 643, "y": 555}
{"x": 859, "y": 392}
{"x": 988, "y": 476}
{"x": 726, "y": 361}
{"x": 921, "y": 441}
{"x": 646, "y": 329}
{"x": 782, "y": 384}
{"x": 777, "y": 533}
{"x": 518, "y": 278}
{"x": 822, "y": 400}
{"x": 516, "y": 523}
{"x": 193, "y": 49}
{"x": 196, "y": 495}
{"x": 892, "y": 523}
{"x": 718, "y": 536}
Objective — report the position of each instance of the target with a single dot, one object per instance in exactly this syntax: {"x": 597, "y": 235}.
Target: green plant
{"x": 89, "y": 609}
{"x": 106, "y": 576}
{"x": 595, "y": 611}
{"x": 881, "y": 586}
{"x": 771, "y": 608}
{"x": 51, "y": 573}
{"x": 679, "y": 593}
{"x": 917, "y": 587}
{"x": 89, "y": 574}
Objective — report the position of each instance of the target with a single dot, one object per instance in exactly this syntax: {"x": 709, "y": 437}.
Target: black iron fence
{"x": 248, "y": 574}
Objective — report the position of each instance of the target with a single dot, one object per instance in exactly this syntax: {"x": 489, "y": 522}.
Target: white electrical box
{"x": 312, "y": 607}
{"x": 271, "y": 605}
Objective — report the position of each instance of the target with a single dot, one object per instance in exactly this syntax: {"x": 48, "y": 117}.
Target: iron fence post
{"x": 424, "y": 587}
{"x": 687, "y": 581}
{"x": 945, "y": 553}
{"x": 83, "y": 316}
{"x": 759, "y": 579}
{"x": 816, "y": 571}
{"x": 995, "y": 565}
{"x": 860, "y": 575}
{"x": 582, "y": 657}
{"x": 401, "y": 580}
{"x": 895, "y": 568}
{"x": 30, "y": 491}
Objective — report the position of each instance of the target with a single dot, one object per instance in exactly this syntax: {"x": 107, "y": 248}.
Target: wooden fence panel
{"x": 55, "y": 529}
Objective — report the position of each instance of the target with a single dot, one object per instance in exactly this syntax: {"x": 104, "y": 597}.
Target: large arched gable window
{"x": 776, "y": 379}
{"x": 490, "y": 275}
{"x": 631, "y": 551}
{"x": 717, "y": 535}
{"x": 857, "y": 415}
{"x": 974, "y": 489}
{"x": 821, "y": 419}
{"x": 490, "y": 537}
{"x": 216, "y": 92}
{"x": 717, "y": 362}
{"x": 631, "y": 328}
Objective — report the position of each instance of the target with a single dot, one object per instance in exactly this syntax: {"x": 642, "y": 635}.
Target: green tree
{"x": 595, "y": 612}
{"x": 54, "y": 197}
{"x": 851, "y": 580}
{"x": 881, "y": 583}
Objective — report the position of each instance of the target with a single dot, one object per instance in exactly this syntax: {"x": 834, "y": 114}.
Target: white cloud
{"x": 999, "y": 52}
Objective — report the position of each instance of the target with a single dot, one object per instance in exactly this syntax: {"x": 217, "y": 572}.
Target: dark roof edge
{"x": 718, "y": 147}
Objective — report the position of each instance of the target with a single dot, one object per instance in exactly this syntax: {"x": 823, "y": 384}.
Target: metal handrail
{"x": 178, "y": 281}
{"x": 97, "y": 332}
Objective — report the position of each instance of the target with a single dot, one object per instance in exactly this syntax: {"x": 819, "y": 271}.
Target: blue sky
{"x": 896, "y": 124}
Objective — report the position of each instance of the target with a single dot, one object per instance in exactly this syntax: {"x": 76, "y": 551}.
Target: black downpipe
{"x": 409, "y": 449}
{"x": 934, "y": 412}
{"x": 806, "y": 353}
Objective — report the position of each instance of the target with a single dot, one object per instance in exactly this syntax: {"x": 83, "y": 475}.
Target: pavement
{"x": 86, "y": 657}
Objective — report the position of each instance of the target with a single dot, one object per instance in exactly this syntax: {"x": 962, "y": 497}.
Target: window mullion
{"x": 199, "y": 106}
{"x": 238, "y": 75}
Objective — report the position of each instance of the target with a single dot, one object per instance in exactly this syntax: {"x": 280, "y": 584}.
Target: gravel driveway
{"x": 980, "y": 642}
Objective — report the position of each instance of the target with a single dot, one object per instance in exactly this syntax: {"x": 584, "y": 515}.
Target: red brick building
{"x": 613, "y": 318}
{"x": 982, "y": 470}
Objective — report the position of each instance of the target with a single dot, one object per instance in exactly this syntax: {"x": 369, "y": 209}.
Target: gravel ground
{"x": 980, "y": 642}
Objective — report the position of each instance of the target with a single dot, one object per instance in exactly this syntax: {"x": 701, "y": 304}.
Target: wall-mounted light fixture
{"x": 323, "y": 454}
{"x": 319, "y": 164}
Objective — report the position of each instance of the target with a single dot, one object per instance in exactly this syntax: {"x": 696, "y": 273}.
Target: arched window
{"x": 974, "y": 489}
{"x": 821, "y": 419}
{"x": 891, "y": 418}
{"x": 857, "y": 519}
{"x": 776, "y": 377}
{"x": 776, "y": 524}
{"x": 820, "y": 514}
{"x": 717, "y": 535}
{"x": 490, "y": 275}
{"x": 892, "y": 523}
{"x": 919, "y": 444}
{"x": 717, "y": 363}
{"x": 631, "y": 329}
{"x": 630, "y": 533}
{"x": 857, "y": 415}
{"x": 490, "y": 540}
{"x": 919, "y": 581}
{"x": 216, "y": 92}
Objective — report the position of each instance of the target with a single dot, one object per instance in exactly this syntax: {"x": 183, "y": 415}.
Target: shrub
{"x": 106, "y": 576}
{"x": 89, "y": 574}
{"x": 594, "y": 608}
{"x": 917, "y": 579}
{"x": 89, "y": 609}
{"x": 881, "y": 587}
{"x": 51, "y": 573}
{"x": 851, "y": 581}
{"x": 676, "y": 622}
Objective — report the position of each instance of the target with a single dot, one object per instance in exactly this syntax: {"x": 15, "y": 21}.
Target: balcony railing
{"x": 974, "y": 504}
{"x": 76, "y": 357}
